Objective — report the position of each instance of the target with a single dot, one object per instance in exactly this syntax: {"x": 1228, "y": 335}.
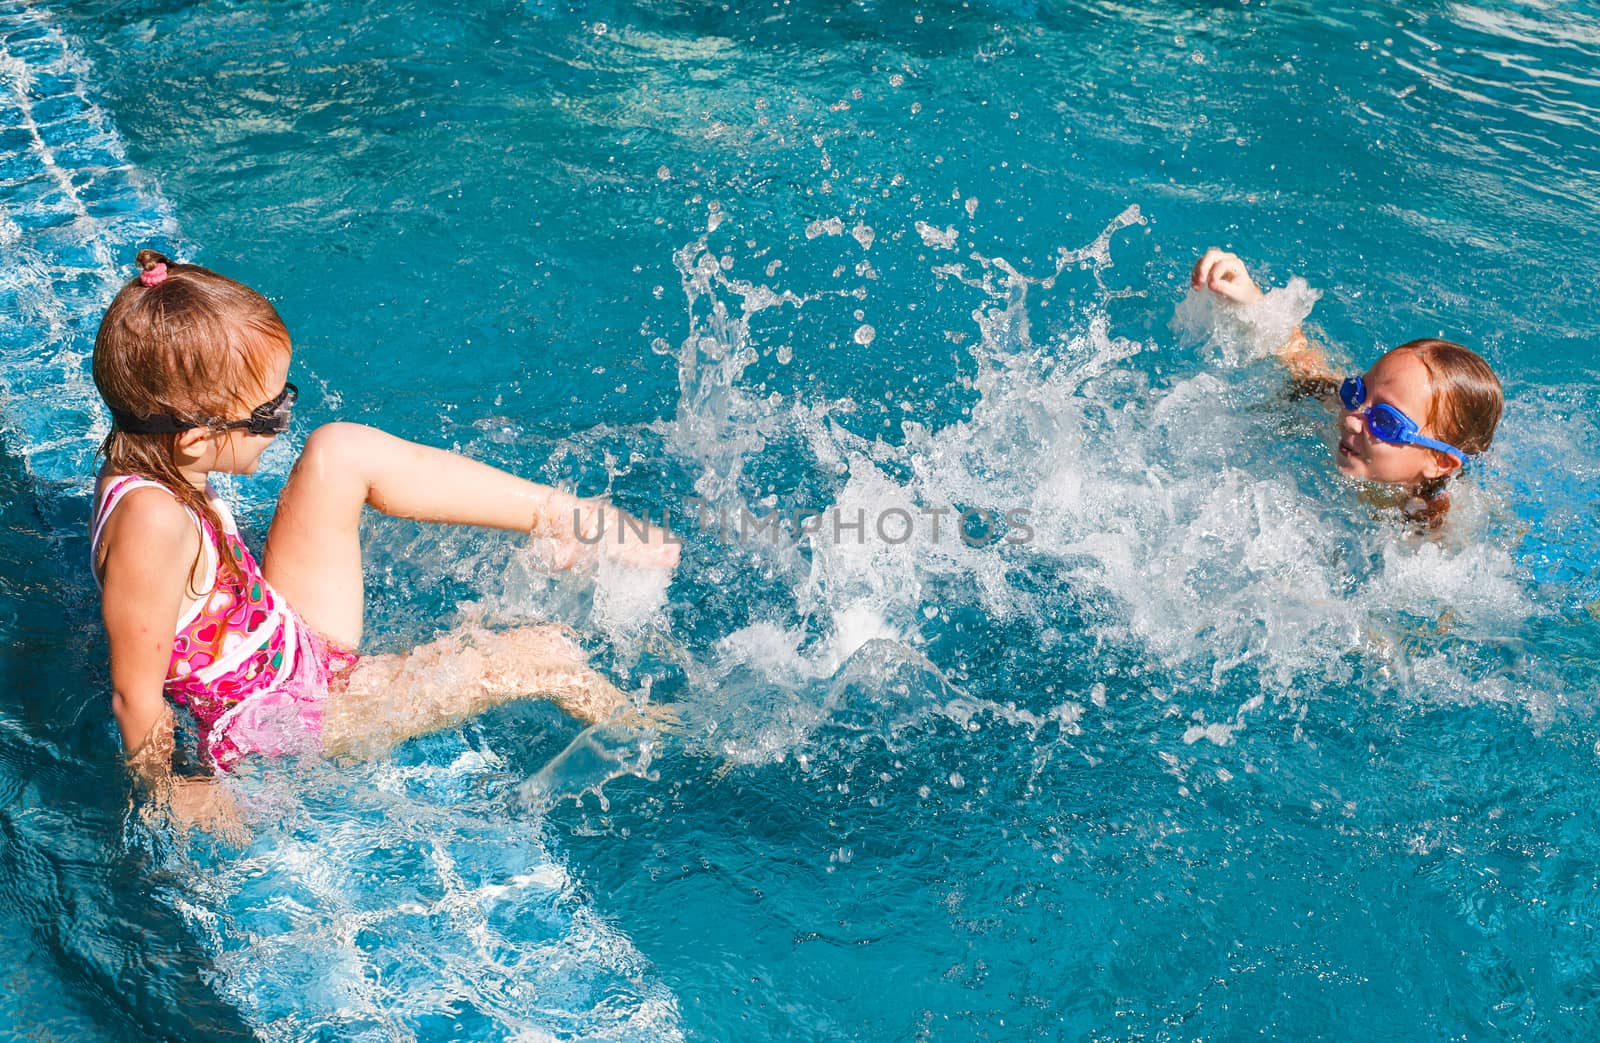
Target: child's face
{"x": 237, "y": 451}
{"x": 1402, "y": 381}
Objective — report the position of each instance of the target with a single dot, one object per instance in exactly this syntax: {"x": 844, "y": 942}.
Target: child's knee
{"x": 337, "y": 448}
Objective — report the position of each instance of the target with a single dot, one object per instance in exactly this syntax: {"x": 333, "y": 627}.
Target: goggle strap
{"x": 1443, "y": 447}
{"x": 149, "y": 425}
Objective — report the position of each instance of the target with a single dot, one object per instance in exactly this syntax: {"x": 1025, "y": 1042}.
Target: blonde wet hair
{"x": 181, "y": 341}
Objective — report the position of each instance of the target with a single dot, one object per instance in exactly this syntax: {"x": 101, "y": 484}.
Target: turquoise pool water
{"x": 1220, "y": 752}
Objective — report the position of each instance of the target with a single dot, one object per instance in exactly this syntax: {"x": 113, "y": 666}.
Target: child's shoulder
{"x": 145, "y": 511}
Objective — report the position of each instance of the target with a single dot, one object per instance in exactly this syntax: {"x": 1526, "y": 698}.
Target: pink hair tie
{"x": 155, "y": 276}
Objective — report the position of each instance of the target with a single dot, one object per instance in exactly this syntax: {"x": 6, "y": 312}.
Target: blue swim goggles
{"x": 1387, "y": 423}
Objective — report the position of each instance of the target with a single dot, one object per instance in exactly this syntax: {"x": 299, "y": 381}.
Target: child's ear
{"x": 189, "y": 446}
{"x": 1440, "y": 464}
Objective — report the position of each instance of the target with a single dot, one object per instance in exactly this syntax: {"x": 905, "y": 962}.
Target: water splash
{"x": 1197, "y": 514}
{"x": 598, "y": 755}
{"x": 1237, "y": 334}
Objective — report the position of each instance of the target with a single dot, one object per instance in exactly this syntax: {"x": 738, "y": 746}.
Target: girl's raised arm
{"x": 1223, "y": 274}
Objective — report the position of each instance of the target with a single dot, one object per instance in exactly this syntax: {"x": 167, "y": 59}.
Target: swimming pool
{"x": 1215, "y": 753}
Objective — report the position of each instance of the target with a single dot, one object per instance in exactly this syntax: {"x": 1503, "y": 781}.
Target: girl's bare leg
{"x": 313, "y": 554}
{"x": 391, "y": 698}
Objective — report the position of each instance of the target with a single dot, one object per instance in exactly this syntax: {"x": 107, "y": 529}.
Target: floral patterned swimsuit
{"x": 253, "y": 674}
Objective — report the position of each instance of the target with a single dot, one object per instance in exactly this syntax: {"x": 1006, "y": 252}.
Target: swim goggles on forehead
{"x": 1387, "y": 423}
{"x": 269, "y": 418}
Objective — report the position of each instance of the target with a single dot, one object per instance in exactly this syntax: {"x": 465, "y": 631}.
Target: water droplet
{"x": 831, "y": 226}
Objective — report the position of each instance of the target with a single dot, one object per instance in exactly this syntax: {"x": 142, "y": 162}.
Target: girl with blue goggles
{"x": 1388, "y": 424}
{"x": 1410, "y": 421}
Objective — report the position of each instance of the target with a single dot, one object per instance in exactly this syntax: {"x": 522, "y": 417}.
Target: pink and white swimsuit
{"x": 250, "y": 670}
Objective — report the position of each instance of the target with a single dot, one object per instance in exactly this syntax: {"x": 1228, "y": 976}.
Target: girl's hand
{"x": 594, "y": 530}
{"x": 204, "y": 804}
{"x": 1224, "y": 275}
{"x": 190, "y": 803}
{"x": 629, "y": 541}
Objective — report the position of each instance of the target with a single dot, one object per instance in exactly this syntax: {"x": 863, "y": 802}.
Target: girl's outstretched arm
{"x": 150, "y": 545}
{"x": 1224, "y": 274}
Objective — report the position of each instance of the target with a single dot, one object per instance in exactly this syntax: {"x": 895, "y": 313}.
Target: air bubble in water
{"x": 865, "y": 334}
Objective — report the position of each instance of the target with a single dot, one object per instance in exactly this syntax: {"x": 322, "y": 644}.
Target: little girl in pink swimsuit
{"x": 194, "y": 367}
